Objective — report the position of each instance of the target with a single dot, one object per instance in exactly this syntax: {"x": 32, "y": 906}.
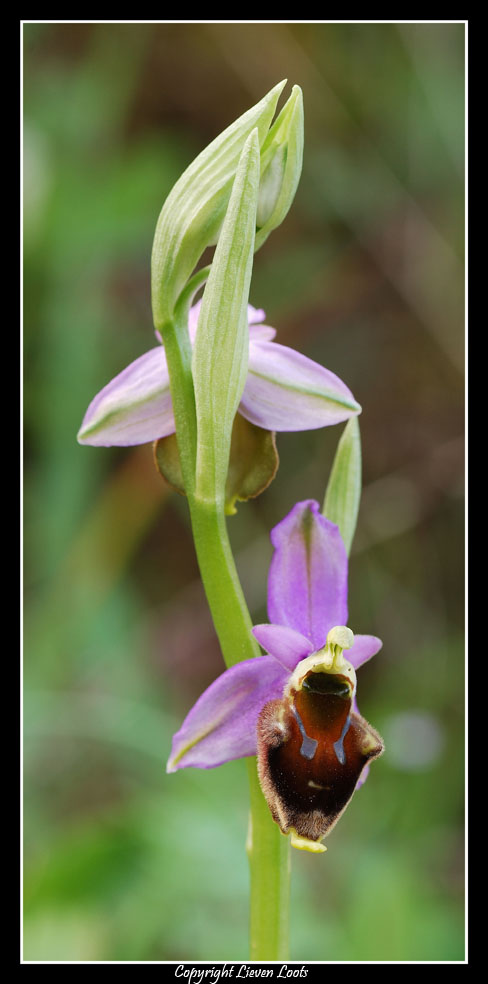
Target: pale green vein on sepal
{"x": 174, "y": 760}
{"x": 334, "y": 397}
{"x": 221, "y": 350}
{"x": 116, "y": 417}
{"x": 343, "y": 494}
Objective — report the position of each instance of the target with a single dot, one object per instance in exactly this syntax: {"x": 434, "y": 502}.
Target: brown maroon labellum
{"x": 312, "y": 749}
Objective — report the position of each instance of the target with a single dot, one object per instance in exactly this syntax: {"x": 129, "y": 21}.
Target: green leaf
{"x": 221, "y": 350}
{"x": 341, "y": 503}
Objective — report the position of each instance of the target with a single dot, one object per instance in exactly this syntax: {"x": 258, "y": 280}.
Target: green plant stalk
{"x": 203, "y": 420}
{"x": 270, "y": 866}
{"x": 178, "y": 358}
{"x": 268, "y": 849}
{"x": 177, "y": 346}
{"x": 221, "y": 582}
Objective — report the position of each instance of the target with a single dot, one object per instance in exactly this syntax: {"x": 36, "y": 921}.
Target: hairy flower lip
{"x": 312, "y": 751}
{"x": 284, "y": 391}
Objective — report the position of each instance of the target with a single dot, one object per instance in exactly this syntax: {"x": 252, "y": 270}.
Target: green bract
{"x": 220, "y": 354}
{"x": 341, "y": 504}
{"x": 193, "y": 212}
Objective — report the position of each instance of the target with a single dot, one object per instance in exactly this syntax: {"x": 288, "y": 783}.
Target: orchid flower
{"x": 284, "y": 391}
{"x": 296, "y": 706}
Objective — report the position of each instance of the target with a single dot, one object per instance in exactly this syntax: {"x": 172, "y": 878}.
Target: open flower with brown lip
{"x": 295, "y": 707}
{"x": 312, "y": 747}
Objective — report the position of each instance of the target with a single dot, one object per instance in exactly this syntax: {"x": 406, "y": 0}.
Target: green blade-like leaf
{"x": 341, "y": 503}
{"x": 221, "y": 351}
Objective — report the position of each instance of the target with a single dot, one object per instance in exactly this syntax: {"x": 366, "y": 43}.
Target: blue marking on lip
{"x": 339, "y": 744}
{"x": 309, "y": 745}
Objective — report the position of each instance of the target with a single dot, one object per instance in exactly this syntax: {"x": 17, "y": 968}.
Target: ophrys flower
{"x": 295, "y": 707}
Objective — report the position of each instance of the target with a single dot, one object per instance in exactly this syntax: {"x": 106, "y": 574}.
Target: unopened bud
{"x": 281, "y": 166}
{"x": 192, "y": 215}
{"x": 270, "y": 186}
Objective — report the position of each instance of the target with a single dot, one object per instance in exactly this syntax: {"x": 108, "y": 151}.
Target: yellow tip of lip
{"x": 304, "y": 844}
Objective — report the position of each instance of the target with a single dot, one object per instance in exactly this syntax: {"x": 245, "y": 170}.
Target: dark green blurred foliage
{"x": 366, "y": 276}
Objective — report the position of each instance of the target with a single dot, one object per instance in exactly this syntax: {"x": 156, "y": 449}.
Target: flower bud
{"x": 281, "y": 166}
{"x": 193, "y": 212}
{"x": 270, "y": 187}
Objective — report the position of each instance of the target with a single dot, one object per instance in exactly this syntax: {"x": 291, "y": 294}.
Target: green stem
{"x": 177, "y": 346}
{"x": 268, "y": 849}
{"x": 269, "y": 863}
{"x": 183, "y": 398}
{"x": 221, "y": 582}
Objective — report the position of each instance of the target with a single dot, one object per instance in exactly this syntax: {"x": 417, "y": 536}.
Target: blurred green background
{"x": 365, "y": 276}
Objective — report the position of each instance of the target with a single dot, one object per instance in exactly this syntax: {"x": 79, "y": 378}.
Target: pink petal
{"x": 364, "y": 647}
{"x": 362, "y": 778}
{"x": 285, "y": 391}
{"x": 286, "y": 645}
{"x": 134, "y": 408}
{"x": 261, "y": 333}
{"x": 254, "y": 317}
{"x": 307, "y": 585}
{"x": 222, "y": 724}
